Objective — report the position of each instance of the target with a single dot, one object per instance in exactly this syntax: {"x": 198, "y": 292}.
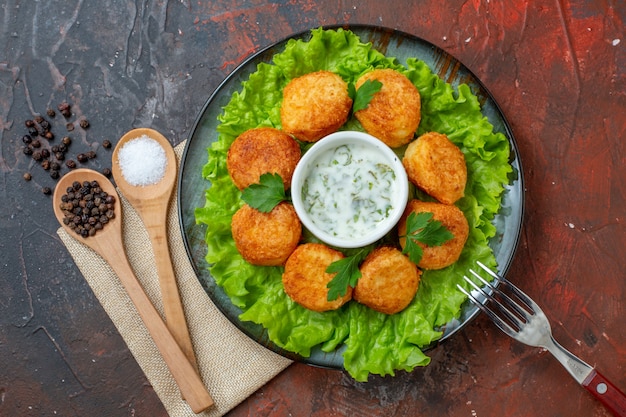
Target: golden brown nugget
{"x": 394, "y": 112}
{"x": 305, "y": 277}
{"x": 437, "y": 257}
{"x": 266, "y": 238}
{"x": 389, "y": 281}
{"x": 315, "y": 105}
{"x": 436, "y": 165}
{"x": 260, "y": 151}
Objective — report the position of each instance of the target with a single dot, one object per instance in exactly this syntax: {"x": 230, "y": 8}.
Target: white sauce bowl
{"x": 349, "y": 189}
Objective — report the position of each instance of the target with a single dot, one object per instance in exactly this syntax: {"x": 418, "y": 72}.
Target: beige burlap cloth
{"x": 232, "y": 365}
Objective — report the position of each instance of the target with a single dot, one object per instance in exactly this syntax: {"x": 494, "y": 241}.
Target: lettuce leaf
{"x": 375, "y": 343}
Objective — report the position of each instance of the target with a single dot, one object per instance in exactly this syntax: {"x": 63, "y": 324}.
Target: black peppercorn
{"x": 69, "y": 127}
{"x": 45, "y": 164}
{"x": 106, "y": 144}
{"x": 70, "y": 164}
{"x": 106, "y": 172}
{"x": 55, "y": 165}
{"x": 60, "y": 156}
{"x": 33, "y": 131}
{"x": 37, "y": 156}
{"x": 29, "y": 123}
{"x": 45, "y": 125}
{"x": 28, "y": 150}
{"x": 48, "y": 135}
{"x": 39, "y": 119}
{"x": 27, "y": 139}
{"x": 82, "y": 158}
{"x": 54, "y": 174}
{"x": 51, "y": 112}
{"x": 27, "y": 176}
{"x": 35, "y": 143}
{"x": 91, "y": 154}
{"x": 84, "y": 123}
{"x": 66, "y": 140}
{"x": 46, "y": 190}
{"x": 83, "y": 215}
{"x": 45, "y": 153}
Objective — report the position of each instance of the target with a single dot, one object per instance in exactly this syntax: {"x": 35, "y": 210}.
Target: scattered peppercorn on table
{"x": 77, "y": 76}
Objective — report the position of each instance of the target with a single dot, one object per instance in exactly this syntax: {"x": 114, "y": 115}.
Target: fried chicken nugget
{"x": 266, "y": 239}
{"x": 315, "y": 105}
{"x": 259, "y": 151}
{"x": 388, "y": 282}
{"x": 437, "y": 257}
{"x": 394, "y": 112}
{"x": 305, "y": 277}
{"x": 437, "y": 166}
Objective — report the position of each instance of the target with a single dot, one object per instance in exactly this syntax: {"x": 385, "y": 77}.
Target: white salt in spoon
{"x": 109, "y": 244}
{"x": 151, "y": 201}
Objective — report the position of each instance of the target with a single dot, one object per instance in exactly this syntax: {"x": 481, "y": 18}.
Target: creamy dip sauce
{"x": 348, "y": 190}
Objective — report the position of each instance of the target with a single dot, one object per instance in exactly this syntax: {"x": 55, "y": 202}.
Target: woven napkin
{"x": 232, "y": 365}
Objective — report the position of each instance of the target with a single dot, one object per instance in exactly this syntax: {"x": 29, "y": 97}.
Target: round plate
{"x": 391, "y": 43}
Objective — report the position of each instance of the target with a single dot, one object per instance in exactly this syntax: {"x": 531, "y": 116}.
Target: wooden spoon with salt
{"x": 151, "y": 201}
{"x": 109, "y": 244}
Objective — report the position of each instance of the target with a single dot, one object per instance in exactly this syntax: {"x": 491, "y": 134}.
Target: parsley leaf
{"x": 348, "y": 274}
{"x": 266, "y": 194}
{"x": 420, "y": 227}
{"x": 362, "y": 97}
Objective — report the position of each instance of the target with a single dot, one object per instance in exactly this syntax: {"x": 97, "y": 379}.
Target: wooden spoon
{"x": 152, "y": 202}
{"x": 108, "y": 243}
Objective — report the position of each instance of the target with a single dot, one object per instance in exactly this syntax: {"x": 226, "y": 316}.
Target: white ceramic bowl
{"x": 356, "y": 211}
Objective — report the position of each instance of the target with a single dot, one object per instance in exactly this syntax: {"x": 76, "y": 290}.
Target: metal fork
{"x": 521, "y": 318}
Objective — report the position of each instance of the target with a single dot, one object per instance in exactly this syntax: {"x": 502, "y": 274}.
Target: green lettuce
{"x": 375, "y": 343}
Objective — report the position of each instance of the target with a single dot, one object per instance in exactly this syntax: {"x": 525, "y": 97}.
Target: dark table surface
{"x": 556, "y": 68}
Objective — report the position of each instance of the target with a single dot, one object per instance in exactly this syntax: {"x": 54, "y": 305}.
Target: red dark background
{"x": 556, "y": 68}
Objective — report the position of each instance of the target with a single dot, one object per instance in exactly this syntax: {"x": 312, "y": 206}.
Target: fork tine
{"x": 502, "y": 325}
{"x": 499, "y": 321}
{"x": 510, "y": 303}
{"x": 521, "y": 295}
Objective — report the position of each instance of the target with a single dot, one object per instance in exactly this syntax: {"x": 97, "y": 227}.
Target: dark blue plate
{"x": 391, "y": 43}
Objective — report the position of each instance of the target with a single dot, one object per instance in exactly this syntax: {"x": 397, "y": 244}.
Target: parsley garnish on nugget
{"x": 266, "y": 194}
{"x": 422, "y": 228}
{"x": 361, "y": 98}
{"x": 348, "y": 274}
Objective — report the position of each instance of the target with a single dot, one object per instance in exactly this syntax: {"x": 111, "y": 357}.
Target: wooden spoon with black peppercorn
{"x": 108, "y": 243}
{"x": 148, "y": 186}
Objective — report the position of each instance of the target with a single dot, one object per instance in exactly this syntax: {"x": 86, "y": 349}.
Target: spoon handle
{"x": 172, "y": 304}
{"x": 191, "y": 386}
